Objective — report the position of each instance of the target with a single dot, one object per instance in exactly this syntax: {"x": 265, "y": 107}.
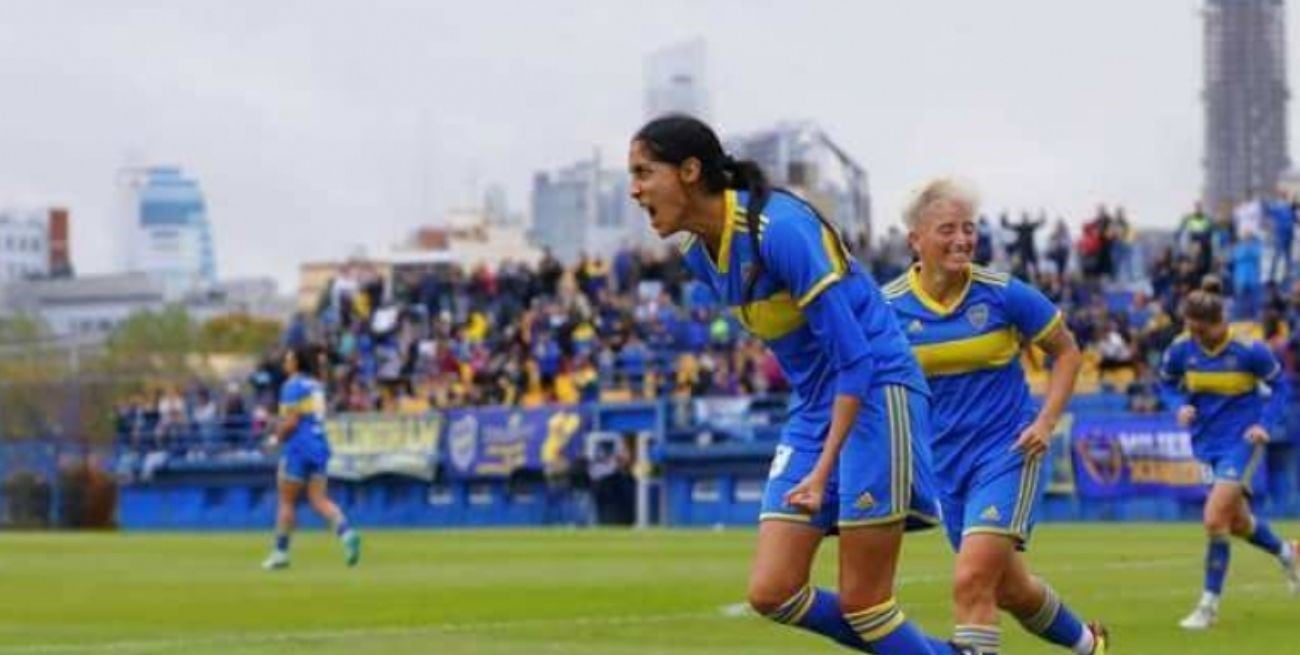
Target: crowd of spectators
{"x": 440, "y": 337}
{"x": 634, "y": 326}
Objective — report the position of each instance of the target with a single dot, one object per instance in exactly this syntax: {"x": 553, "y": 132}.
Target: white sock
{"x": 1288, "y": 553}
{"x": 1210, "y": 599}
{"x": 1086, "y": 642}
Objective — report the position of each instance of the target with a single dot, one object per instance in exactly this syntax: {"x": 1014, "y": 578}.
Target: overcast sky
{"x": 326, "y": 125}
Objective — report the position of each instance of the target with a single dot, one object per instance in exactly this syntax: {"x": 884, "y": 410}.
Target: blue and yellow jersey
{"x": 304, "y": 397}
{"x": 1234, "y": 386}
{"x": 819, "y": 312}
{"x": 970, "y": 352}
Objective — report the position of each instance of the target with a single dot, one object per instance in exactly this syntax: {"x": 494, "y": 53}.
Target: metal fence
{"x": 56, "y": 484}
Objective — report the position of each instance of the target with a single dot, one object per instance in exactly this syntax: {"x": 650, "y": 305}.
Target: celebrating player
{"x": 967, "y": 326}
{"x": 305, "y": 457}
{"x": 1230, "y": 420}
{"x": 853, "y": 453}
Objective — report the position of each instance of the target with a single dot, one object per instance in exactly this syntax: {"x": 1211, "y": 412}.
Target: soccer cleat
{"x": 351, "y": 548}
{"x": 1291, "y": 568}
{"x": 1100, "y": 638}
{"x": 278, "y": 559}
{"x": 1201, "y": 618}
{"x": 963, "y": 649}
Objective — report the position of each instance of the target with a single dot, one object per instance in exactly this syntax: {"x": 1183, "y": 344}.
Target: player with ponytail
{"x": 852, "y": 457}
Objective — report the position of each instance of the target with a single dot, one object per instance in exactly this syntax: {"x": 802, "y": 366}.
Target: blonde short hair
{"x": 943, "y": 189}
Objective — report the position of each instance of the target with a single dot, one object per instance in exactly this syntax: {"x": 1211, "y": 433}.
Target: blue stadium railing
{"x": 703, "y": 463}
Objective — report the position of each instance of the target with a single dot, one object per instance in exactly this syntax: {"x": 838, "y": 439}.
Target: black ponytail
{"x": 674, "y": 138}
{"x": 747, "y": 175}
{"x": 308, "y": 359}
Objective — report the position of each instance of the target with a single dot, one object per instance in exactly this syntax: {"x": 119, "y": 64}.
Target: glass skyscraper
{"x": 166, "y": 228}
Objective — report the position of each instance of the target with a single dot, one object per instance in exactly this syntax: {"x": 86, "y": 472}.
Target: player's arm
{"x": 837, "y": 328}
{"x": 1060, "y": 345}
{"x": 288, "y": 423}
{"x": 1270, "y": 372}
{"x": 806, "y": 258}
{"x": 1033, "y": 314}
{"x": 290, "y": 399}
{"x": 1172, "y": 370}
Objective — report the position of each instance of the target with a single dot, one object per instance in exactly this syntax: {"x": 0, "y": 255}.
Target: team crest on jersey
{"x": 1230, "y": 361}
{"x": 978, "y": 316}
{"x": 915, "y": 327}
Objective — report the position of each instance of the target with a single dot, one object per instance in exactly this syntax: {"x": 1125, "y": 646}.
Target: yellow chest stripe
{"x": 1227, "y": 383}
{"x": 990, "y": 350}
{"x": 309, "y": 405}
{"x": 771, "y": 318}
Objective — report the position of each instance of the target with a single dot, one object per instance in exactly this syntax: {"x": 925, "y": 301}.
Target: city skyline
{"x": 327, "y": 128}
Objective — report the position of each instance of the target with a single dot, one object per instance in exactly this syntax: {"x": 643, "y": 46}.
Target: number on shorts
{"x": 780, "y": 460}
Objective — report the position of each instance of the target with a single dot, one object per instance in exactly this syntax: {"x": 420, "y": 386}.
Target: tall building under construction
{"x": 1245, "y": 99}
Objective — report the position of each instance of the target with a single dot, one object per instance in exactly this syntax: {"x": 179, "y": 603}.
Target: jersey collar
{"x": 728, "y": 222}
{"x": 914, "y": 281}
{"x": 1217, "y": 350}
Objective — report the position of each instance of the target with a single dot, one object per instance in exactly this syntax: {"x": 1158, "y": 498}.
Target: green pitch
{"x": 570, "y": 592}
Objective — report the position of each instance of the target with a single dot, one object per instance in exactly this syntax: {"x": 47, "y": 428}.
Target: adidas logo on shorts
{"x": 865, "y": 501}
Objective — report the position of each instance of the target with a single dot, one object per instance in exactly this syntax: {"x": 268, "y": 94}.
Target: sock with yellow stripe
{"x": 817, "y": 610}
{"x": 1054, "y": 622}
{"x": 886, "y": 631}
{"x": 981, "y": 639}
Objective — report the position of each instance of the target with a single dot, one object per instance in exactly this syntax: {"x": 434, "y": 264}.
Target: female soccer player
{"x": 1230, "y": 420}
{"x": 305, "y": 457}
{"x": 852, "y": 456}
{"x": 967, "y": 326}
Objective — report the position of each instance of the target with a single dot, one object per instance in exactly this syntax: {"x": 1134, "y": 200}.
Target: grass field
{"x": 580, "y": 592}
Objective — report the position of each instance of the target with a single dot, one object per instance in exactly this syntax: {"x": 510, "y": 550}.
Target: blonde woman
{"x": 967, "y": 326}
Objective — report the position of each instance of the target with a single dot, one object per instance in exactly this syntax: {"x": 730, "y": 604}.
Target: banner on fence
{"x": 364, "y": 446}
{"x": 730, "y": 416}
{"x": 497, "y": 442}
{"x": 1135, "y": 456}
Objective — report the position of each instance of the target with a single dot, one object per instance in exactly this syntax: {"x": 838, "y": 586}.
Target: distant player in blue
{"x": 852, "y": 456}
{"x": 967, "y": 326}
{"x": 1281, "y": 212}
{"x": 305, "y": 457}
{"x": 1236, "y": 393}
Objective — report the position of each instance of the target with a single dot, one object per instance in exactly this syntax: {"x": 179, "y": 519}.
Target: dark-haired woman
{"x": 305, "y": 457}
{"x": 1229, "y": 418}
{"x": 852, "y": 456}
